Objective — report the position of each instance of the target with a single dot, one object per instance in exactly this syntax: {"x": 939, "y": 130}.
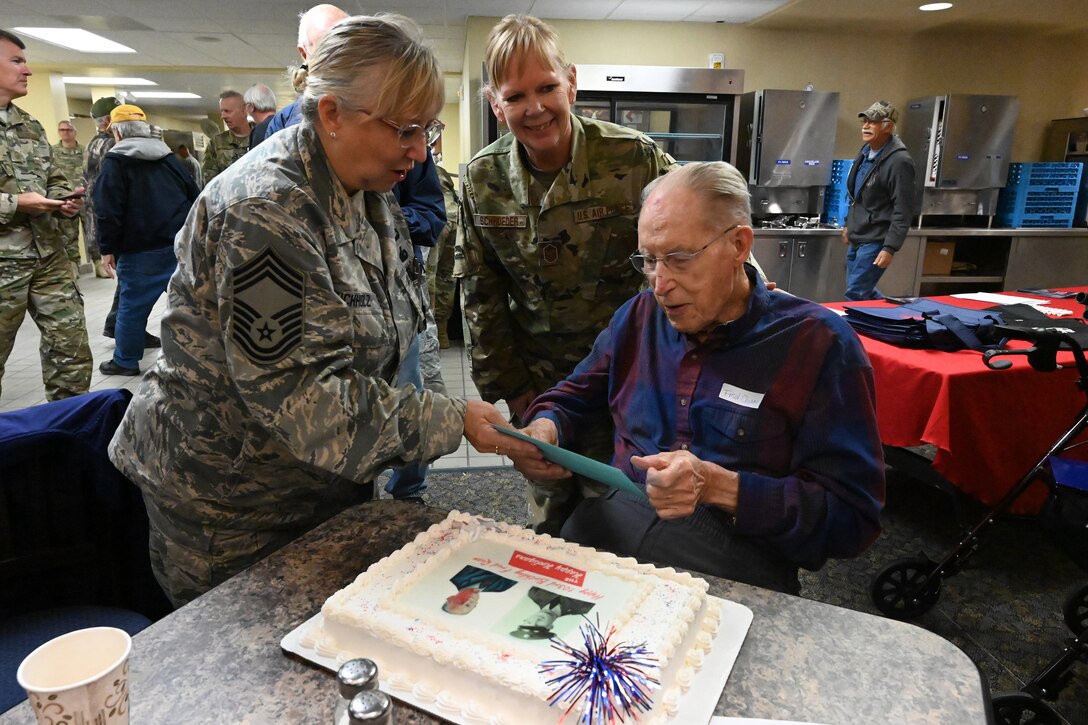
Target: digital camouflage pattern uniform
{"x": 440, "y": 260}
{"x": 271, "y": 406}
{"x": 35, "y": 274}
{"x": 222, "y": 151}
{"x": 70, "y": 161}
{"x": 97, "y": 148}
{"x": 545, "y": 268}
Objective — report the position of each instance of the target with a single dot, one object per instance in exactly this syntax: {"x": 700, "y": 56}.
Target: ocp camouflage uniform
{"x": 271, "y": 406}
{"x": 222, "y": 151}
{"x": 545, "y": 269}
{"x": 440, "y": 259}
{"x": 35, "y": 275}
{"x": 70, "y": 161}
{"x": 97, "y": 148}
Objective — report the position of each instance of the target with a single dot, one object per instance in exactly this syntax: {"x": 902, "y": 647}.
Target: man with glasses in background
{"x": 68, "y": 156}
{"x": 881, "y": 190}
{"x": 746, "y": 414}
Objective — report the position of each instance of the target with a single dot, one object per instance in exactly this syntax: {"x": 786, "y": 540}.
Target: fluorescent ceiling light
{"x": 930, "y": 7}
{"x": 75, "y": 39}
{"x": 95, "y": 81}
{"x": 162, "y": 94}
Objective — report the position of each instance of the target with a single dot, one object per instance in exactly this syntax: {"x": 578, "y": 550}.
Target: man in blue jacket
{"x": 141, "y": 199}
{"x": 881, "y": 190}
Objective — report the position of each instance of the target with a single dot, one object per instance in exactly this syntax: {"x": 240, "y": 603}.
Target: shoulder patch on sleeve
{"x": 269, "y": 308}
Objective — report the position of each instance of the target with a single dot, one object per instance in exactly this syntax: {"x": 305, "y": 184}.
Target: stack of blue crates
{"x": 1042, "y": 194}
{"x": 836, "y": 202}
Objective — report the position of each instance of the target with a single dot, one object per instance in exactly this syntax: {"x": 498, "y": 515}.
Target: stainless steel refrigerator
{"x": 960, "y": 144}
{"x": 689, "y": 112}
{"x": 785, "y": 148}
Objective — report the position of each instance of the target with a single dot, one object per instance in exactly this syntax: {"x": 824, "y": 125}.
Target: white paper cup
{"x": 81, "y": 676}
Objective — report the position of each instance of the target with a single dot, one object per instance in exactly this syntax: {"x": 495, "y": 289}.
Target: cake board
{"x": 696, "y": 707}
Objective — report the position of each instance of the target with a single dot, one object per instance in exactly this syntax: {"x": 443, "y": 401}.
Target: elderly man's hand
{"x": 677, "y": 481}
{"x": 533, "y": 465}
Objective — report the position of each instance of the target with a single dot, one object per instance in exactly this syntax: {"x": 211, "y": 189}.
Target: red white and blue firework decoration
{"x": 604, "y": 682}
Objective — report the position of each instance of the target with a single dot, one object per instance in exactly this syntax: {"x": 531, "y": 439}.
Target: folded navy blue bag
{"x": 926, "y": 325}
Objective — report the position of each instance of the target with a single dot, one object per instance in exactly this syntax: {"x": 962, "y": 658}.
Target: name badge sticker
{"x": 740, "y": 396}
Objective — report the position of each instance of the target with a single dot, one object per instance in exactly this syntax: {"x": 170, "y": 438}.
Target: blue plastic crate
{"x": 836, "y": 202}
{"x": 1063, "y": 175}
{"x": 1020, "y": 220}
{"x": 1029, "y": 200}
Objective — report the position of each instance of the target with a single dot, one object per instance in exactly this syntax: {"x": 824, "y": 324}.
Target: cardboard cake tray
{"x": 696, "y": 707}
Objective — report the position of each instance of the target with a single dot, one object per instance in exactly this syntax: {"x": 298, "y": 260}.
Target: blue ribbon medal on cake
{"x": 605, "y": 682}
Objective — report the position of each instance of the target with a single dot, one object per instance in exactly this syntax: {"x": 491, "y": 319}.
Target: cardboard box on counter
{"x": 938, "y": 259}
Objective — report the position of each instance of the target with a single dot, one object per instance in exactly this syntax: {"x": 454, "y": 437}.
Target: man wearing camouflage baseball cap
{"x": 97, "y": 148}
{"x": 881, "y": 189}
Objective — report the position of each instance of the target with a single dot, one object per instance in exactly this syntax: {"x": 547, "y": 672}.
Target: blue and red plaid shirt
{"x": 783, "y": 396}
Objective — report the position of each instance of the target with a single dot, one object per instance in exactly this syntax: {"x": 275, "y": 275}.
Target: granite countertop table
{"x": 218, "y": 660}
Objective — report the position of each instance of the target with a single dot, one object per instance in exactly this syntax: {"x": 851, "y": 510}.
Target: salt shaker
{"x": 353, "y": 677}
{"x": 370, "y": 707}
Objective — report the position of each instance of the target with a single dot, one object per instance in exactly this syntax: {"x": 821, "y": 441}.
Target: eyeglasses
{"x": 678, "y": 262}
{"x": 409, "y": 134}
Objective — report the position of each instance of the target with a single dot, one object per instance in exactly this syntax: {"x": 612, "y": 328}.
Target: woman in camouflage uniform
{"x": 272, "y": 406}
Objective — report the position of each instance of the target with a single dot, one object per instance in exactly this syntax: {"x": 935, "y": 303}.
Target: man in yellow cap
{"x": 140, "y": 207}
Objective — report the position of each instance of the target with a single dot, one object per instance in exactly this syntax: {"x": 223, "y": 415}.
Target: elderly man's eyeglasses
{"x": 678, "y": 262}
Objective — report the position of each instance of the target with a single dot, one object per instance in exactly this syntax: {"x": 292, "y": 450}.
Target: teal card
{"x": 606, "y": 474}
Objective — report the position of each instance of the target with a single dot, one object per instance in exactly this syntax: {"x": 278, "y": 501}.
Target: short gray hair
{"x": 346, "y": 62}
{"x": 260, "y": 97}
{"x": 718, "y": 182}
{"x": 131, "y": 129}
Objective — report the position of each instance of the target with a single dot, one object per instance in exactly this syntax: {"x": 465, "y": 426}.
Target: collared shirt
{"x": 783, "y": 396}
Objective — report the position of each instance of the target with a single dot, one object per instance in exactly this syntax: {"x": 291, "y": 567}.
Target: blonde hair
{"x": 378, "y": 62}
{"x": 517, "y": 37}
{"x": 719, "y": 183}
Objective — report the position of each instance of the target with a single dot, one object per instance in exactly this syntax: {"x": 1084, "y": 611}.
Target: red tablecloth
{"x": 989, "y": 426}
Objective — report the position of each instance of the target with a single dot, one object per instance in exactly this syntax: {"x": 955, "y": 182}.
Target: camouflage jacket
{"x": 222, "y": 151}
{"x": 545, "y": 269}
{"x": 97, "y": 148}
{"x": 26, "y": 164}
{"x": 70, "y": 162}
{"x": 288, "y": 316}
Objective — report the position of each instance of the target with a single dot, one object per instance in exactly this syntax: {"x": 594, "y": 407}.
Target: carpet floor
{"x": 1004, "y": 609}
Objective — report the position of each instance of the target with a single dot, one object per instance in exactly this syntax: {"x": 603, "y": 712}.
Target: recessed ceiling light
{"x": 95, "y": 81}
{"x": 162, "y": 94}
{"x": 930, "y": 7}
{"x": 76, "y": 39}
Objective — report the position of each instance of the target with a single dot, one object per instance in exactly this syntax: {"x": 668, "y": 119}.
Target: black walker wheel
{"x": 1075, "y": 610}
{"x": 1020, "y": 708}
{"x": 897, "y": 590}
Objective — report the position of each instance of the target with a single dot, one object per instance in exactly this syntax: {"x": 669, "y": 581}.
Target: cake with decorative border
{"x": 464, "y": 616}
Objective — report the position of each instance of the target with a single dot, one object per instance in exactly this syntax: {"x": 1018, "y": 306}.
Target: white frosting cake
{"x": 462, "y": 616}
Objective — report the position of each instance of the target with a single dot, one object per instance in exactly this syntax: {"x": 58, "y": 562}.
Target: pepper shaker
{"x": 370, "y": 707}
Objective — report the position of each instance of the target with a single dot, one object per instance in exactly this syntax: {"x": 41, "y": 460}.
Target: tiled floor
{"x": 22, "y": 382}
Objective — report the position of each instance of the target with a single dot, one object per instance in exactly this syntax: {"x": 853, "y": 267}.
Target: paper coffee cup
{"x": 81, "y": 676}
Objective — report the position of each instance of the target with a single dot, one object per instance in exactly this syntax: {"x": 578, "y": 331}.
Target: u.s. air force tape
{"x": 269, "y": 308}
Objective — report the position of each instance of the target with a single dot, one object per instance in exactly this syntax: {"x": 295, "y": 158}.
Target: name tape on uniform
{"x": 602, "y": 212}
{"x": 509, "y": 221}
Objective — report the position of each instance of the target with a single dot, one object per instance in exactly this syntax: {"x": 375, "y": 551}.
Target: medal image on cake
{"x": 472, "y": 581}
{"x": 550, "y": 607}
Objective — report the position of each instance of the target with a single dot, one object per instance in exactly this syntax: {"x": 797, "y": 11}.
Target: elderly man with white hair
{"x": 746, "y": 414}
{"x": 141, "y": 200}
{"x": 260, "y": 102}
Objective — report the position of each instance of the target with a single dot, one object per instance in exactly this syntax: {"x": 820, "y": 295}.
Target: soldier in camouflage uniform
{"x": 440, "y": 282}
{"x": 272, "y": 405}
{"x": 97, "y": 148}
{"x": 230, "y": 145}
{"x": 550, "y": 216}
{"x": 70, "y": 160}
{"x": 35, "y": 275}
